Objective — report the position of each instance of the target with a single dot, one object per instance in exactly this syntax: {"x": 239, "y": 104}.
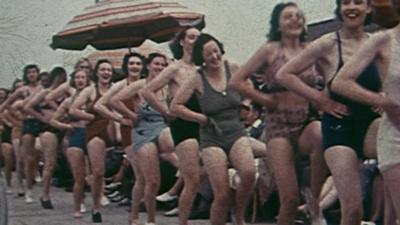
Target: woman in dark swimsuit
{"x": 345, "y": 123}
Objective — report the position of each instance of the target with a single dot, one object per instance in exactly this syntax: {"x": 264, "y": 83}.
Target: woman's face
{"x": 33, "y": 75}
{"x": 190, "y": 37}
{"x": 135, "y": 66}
{"x": 354, "y": 12}
{"x": 104, "y": 72}
{"x": 156, "y": 65}
{"x": 212, "y": 55}
{"x": 81, "y": 79}
{"x": 84, "y": 65}
{"x": 18, "y": 85}
{"x": 291, "y": 21}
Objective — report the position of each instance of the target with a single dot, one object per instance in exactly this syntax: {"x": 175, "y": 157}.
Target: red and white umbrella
{"x": 113, "y": 24}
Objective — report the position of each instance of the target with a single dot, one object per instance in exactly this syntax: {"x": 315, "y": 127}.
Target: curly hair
{"x": 95, "y": 78}
{"x": 125, "y": 61}
{"x": 274, "y": 34}
{"x": 25, "y": 72}
{"x": 197, "y": 54}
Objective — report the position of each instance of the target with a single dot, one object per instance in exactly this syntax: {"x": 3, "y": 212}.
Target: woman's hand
{"x": 336, "y": 109}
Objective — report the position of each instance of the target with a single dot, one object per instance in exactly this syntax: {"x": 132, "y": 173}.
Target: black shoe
{"x": 21, "y": 194}
{"x": 199, "y": 215}
{"x": 96, "y": 217}
{"x": 46, "y": 204}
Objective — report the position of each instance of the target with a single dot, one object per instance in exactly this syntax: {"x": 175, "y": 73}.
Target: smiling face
{"x": 104, "y": 73}
{"x": 156, "y": 65}
{"x": 189, "y": 39}
{"x": 212, "y": 55}
{"x": 354, "y": 12}
{"x": 81, "y": 79}
{"x": 291, "y": 21}
{"x": 135, "y": 66}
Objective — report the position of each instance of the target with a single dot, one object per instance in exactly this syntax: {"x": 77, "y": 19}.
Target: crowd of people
{"x": 327, "y": 110}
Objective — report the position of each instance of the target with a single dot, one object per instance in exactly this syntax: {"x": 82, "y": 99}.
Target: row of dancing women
{"x": 189, "y": 112}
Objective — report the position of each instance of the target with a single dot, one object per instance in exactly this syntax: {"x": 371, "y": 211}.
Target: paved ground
{"x": 21, "y": 213}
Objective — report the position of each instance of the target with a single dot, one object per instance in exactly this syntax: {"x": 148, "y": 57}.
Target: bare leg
{"x": 189, "y": 167}
{"x": 97, "y": 153}
{"x": 344, "y": 166}
{"x": 29, "y": 153}
{"x": 167, "y": 148}
{"x": 150, "y": 167}
{"x": 314, "y": 148}
{"x": 77, "y": 161}
{"x": 242, "y": 159}
{"x": 282, "y": 162}
{"x": 49, "y": 145}
{"x": 370, "y": 139}
{"x": 7, "y": 150}
{"x": 216, "y": 165}
{"x": 19, "y": 164}
{"x": 391, "y": 179}
{"x": 377, "y": 198}
{"x": 138, "y": 188}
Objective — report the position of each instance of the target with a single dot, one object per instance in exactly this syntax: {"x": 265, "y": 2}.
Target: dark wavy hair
{"x": 125, "y": 61}
{"x": 25, "y": 72}
{"x": 72, "y": 80}
{"x": 57, "y": 71}
{"x": 175, "y": 45}
{"x": 368, "y": 19}
{"x": 197, "y": 54}
{"x": 14, "y": 84}
{"x": 150, "y": 59}
{"x": 274, "y": 34}
{"x": 94, "y": 77}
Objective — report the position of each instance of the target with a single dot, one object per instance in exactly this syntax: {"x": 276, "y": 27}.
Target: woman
{"x": 288, "y": 124}
{"x": 344, "y": 124}
{"x": 223, "y": 139}
{"x": 6, "y": 150}
{"x": 31, "y": 126}
{"x": 150, "y": 136}
{"x": 15, "y": 116}
{"x": 133, "y": 64}
{"x": 80, "y": 79}
{"x": 381, "y": 49}
{"x": 65, "y": 89}
{"x": 184, "y": 133}
{"x": 51, "y": 138}
{"x": 99, "y": 130}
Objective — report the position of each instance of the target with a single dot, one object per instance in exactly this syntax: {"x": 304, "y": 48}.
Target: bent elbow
{"x": 174, "y": 109}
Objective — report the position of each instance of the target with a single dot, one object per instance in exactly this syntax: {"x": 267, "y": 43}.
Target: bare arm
{"x": 288, "y": 77}
{"x": 12, "y": 98}
{"x": 101, "y": 105}
{"x": 149, "y": 93}
{"x": 59, "y": 114}
{"x": 83, "y": 97}
{"x": 129, "y": 91}
{"x": 32, "y": 102}
{"x": 288, "y": 74}
{"x": 183, "y": 94}
{"x": 63, "y": 89}
{"x": 345, "y": 82}
{"x": 239, "y": 80}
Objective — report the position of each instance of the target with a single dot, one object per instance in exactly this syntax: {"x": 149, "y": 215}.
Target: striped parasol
{"x": 113, "y": 24}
